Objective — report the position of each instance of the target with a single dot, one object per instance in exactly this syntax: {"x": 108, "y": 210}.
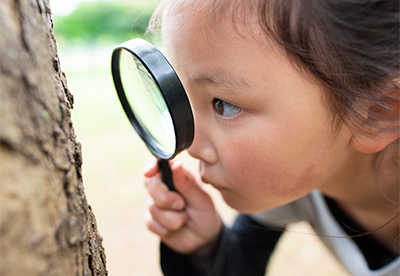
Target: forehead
{"x": 180, "y": 22}
{"x": 195, "y": 38}
{"x": 198, "y": 38}
{"x": 205, "y": 18}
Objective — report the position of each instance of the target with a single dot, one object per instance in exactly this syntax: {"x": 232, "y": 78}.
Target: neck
{"x": 368, "y": 191}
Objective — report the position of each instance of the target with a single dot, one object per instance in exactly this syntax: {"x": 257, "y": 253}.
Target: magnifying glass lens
{"x": 154, "y": 101}
{"x": 147, "y": 103}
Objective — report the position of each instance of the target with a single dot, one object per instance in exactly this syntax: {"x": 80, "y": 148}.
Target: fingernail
{"x": 177, "y": 205}
{"x": 176, "y": 164}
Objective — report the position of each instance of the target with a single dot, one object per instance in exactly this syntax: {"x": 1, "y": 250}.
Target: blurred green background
{"x": 113, "y": 156}
{"x": 104, "y": 22}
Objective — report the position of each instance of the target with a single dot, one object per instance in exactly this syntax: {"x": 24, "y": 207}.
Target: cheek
{"x": 261, "y": 175}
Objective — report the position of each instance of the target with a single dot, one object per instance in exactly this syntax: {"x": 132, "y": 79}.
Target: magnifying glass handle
{"x": 166, "y": 174}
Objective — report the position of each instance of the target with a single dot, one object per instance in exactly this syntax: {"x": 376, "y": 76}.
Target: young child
{"x": 296, "y": 108}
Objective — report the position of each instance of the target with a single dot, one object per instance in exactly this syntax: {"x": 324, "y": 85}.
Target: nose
{"x": 202, "y": 147}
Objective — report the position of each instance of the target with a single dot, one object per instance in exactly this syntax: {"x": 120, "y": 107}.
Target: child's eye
{"x": 225, "y": 109}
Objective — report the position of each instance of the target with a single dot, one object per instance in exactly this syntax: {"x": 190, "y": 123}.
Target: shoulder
{"x": 299, "y": 210}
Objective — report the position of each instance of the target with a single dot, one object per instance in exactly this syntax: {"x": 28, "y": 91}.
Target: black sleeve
{"x": 243, "y": 250}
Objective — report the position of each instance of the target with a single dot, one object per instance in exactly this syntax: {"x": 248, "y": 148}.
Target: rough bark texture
{"x": 47, "y": 227}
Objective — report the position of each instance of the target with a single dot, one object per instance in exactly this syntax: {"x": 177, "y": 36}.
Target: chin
{"x": 241, "y": 205}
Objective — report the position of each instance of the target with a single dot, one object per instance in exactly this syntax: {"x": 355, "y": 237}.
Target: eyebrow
{"x": 220, "y": 78}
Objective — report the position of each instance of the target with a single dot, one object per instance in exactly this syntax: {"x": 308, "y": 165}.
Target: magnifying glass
{"x": 154, "y": 101}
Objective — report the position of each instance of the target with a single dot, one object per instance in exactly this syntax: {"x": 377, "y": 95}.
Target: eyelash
{"x": 220, "y": 106}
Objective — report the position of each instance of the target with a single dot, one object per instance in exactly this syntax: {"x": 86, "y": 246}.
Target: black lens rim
{"x": 171, "y": 89}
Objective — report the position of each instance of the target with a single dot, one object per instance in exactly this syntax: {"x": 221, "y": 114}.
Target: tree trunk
{"x": 46, "y": 225}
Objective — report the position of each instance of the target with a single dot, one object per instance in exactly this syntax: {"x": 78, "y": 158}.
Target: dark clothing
{"x": 244, "y": 249}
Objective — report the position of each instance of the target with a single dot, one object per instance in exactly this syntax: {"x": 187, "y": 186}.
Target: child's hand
{"x": 187, "y": 221}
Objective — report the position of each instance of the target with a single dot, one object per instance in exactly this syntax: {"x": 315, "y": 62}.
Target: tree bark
{"x": 46, "y": 225}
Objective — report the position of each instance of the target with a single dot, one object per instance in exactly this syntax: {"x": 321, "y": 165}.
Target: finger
{"x": 186, "y": 184}
{"x": 162, "y": 196}
{"x": 154, "y": 226}
{"x": 170, "y": 220}
{"x": 150, "y": 167}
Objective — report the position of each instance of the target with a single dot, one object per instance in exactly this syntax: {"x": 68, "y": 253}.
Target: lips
{"x": 216, "y": 186}
{"x": 202, "y": 173}
{"x": 208, "y": 180}
{"x": 204, "y": 180}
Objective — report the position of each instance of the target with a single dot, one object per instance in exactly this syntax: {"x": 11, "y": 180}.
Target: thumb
{"x": 186, "y": 184}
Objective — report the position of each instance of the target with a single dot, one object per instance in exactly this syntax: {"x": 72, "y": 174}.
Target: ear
{"x": 386, "y": 113}
{"x": 371, "y": 144}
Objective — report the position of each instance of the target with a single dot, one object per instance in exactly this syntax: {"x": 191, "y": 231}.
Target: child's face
{"x": 262, "y": 132}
